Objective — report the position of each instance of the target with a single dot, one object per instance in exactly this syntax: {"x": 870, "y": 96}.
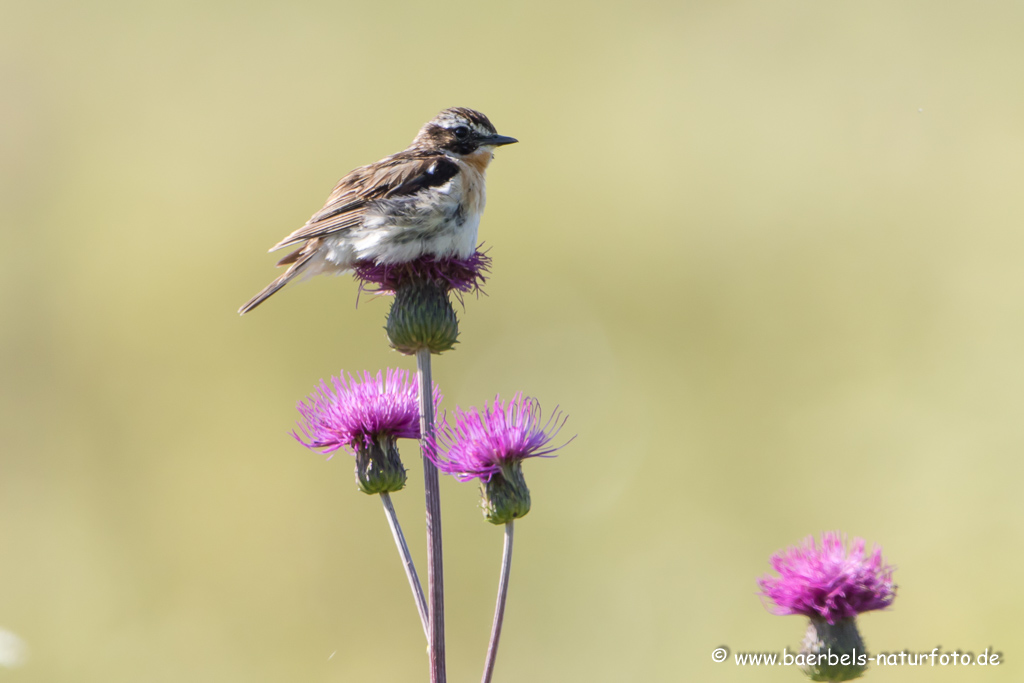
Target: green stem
{"x": 499, "y": 608}
{"x": 432, "y": 489}
{"x": 410, "y": 568}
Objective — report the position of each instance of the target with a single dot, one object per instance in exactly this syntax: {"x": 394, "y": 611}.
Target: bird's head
{"x": 460, "y": 132}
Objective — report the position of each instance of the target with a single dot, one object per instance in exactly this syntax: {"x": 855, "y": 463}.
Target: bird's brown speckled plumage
{"x": 427, "y": 199}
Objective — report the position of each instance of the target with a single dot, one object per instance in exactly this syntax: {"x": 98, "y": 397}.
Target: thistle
{"x": 422, "y": 315}
{"x": 831, "y": 585}
{"x": 366, "y": 415}
{"x": 490, "y": 445}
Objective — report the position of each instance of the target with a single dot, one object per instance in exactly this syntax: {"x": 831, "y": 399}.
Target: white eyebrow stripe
{"x": 453, "y": 122}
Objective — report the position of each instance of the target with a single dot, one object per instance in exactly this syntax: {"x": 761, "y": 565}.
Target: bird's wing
{"x": 399, "y": 175}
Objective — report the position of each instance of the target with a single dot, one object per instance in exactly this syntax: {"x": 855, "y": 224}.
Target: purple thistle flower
{"x": 490, "y": 445}
{"x": 461, "y": 275}
{"x": 481, "y": 443}
{"x": 355, "y": 412}
{"x": 422, "y": 316}
{"x": 829, "y": 583}
{"x": 366, "y": 415}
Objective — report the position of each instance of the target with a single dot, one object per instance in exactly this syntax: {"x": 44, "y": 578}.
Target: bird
{"x": 423, "y": 201}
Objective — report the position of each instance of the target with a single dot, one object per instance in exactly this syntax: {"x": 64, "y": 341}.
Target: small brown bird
{"x": 425, "y": 200}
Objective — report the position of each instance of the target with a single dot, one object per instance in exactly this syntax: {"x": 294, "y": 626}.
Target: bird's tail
{"x": 298, "y": 262}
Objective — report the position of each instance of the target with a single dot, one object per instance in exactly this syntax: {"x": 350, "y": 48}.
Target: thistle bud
{"x": 422, "y": 317}
{"x": 378, "y": 466}
{"x": 835, "y": 652}
{"x": 505, "y": 497}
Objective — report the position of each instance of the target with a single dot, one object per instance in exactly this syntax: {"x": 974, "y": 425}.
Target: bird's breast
{"x": 474, "y": 190}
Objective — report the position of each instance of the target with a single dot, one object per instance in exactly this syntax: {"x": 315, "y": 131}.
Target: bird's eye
{"x": 462, "y": 132}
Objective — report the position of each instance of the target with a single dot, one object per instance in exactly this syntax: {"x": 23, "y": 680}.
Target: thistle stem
{"x": 410, "y": 568}
{"x": 499, "y": 608}
{"x": 431, "y": 485}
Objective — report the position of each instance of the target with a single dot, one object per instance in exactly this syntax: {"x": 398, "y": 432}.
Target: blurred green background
{"x": 768, "y": 257}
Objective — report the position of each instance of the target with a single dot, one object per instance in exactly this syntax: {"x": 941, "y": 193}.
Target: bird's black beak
{"x": 496, "y": 140}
